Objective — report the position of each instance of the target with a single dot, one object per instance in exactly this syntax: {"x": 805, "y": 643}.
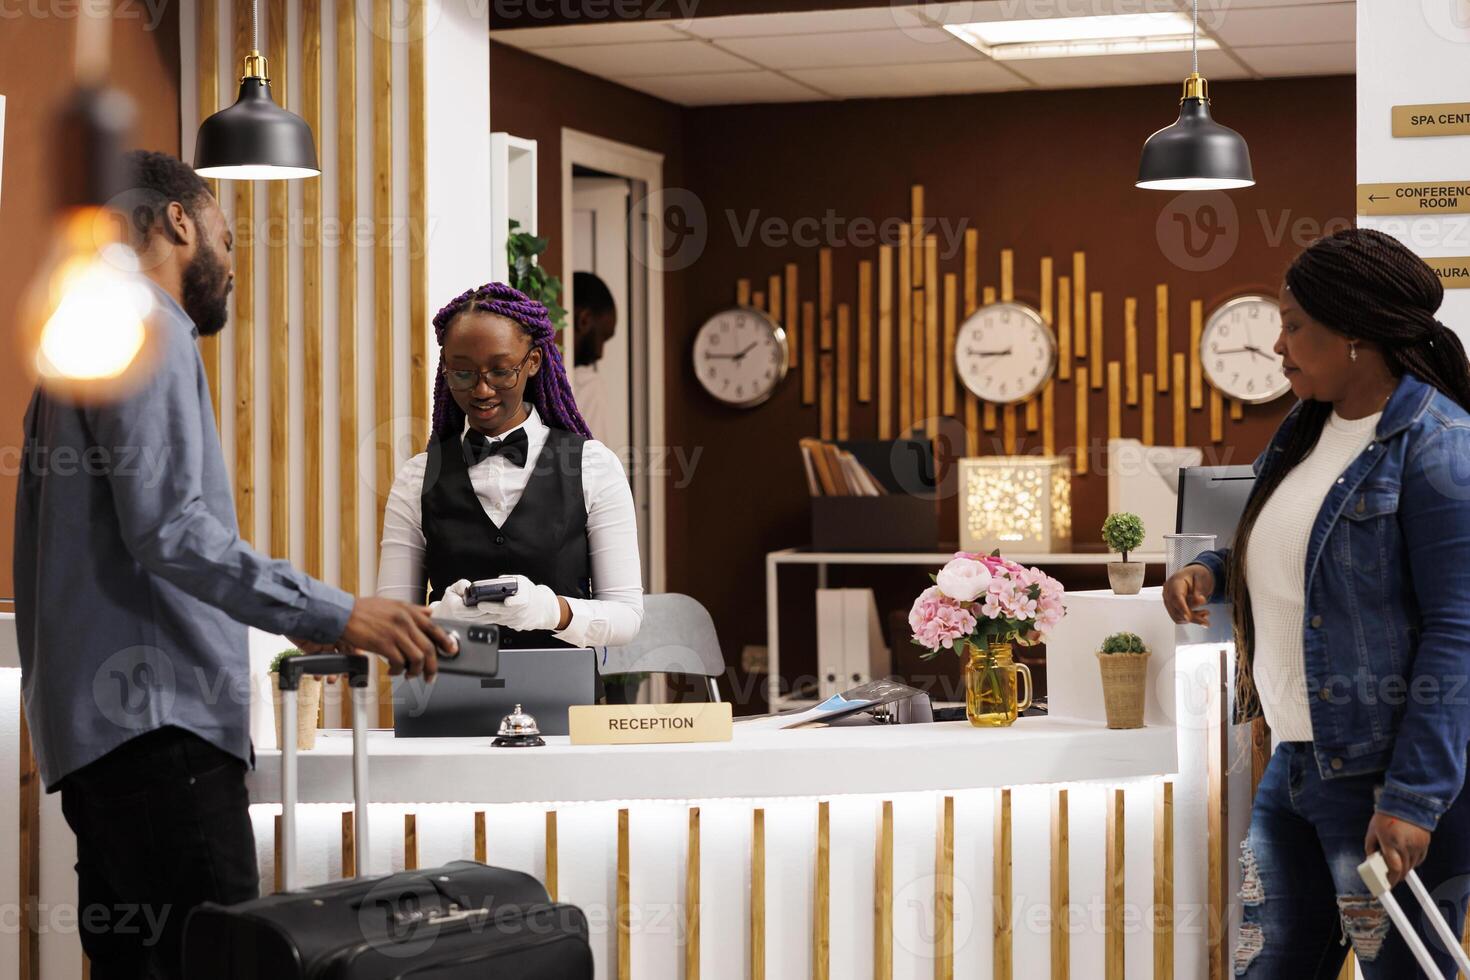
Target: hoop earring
{"x": 1353, "y": 350}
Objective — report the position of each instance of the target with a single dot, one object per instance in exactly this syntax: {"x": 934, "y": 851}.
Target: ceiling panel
{"x": 724, "y": 88}
{"x": 1302, "y": 59}
{"x": 891, "y": 81}
{"x": 849, "y": 48}
{"x": 1313, "y": 24}
{"x": 619, "y": 61}
{"x": 532, "y": 38}
{"x": 814, "y": 22}
{"x": 1133, "y": 69}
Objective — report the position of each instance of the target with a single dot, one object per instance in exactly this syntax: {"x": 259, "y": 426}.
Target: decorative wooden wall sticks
{"x": 808, "y": 352}
{"x": 951, "y": 288}
{"x": 916, "y": 232}
{"x": 1130, "y": 350}
{"x": 988, "y": 297}
{"x": 1080, "y": 373}
{"x": 824, "y": 295}
{"x": 1237, "y": 410}
{"x": 1095, "y": 355}
{"x": 865, "y": 331}
{"x": 1161, "y": 337}
{"x": 793, "y": 311}
{"x": 905, "y": 332}
{"x": 972, "y": 270}
{"x": 1064, "y": 327}
{"x": 1115, "y": 400}
{"x": 1149, "y": 396}
{"x": 885, "y": 342}
{"x": 1196, "y": 324}
{"x": 931, "y": 333}
{"x": 1217, "y": 413}
{"x": 742, "y": 292}
{"x": 844, "y": 368}
{"x": 1079, "y": 305}
{"x": 1180, "y": 396}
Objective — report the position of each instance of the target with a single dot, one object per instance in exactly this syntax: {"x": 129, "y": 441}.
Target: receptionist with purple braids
{"x": 513, "y": 484}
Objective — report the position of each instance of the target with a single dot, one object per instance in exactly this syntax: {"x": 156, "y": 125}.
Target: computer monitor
{"x": 1211, "y": 500}
{"x": 545, "y": 683}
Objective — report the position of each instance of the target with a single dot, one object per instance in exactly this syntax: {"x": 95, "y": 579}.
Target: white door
{"x": 600, "y": 246}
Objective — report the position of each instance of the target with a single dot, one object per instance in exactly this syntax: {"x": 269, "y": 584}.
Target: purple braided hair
{"x": 548, "y": 389}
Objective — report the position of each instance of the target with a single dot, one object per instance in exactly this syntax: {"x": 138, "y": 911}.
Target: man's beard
{"x": 206, "y": 291}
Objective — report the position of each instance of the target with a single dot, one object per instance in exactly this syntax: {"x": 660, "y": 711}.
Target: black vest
{"x": 544, "y": 538}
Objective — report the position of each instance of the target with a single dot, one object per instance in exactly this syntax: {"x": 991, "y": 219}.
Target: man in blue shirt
{"x": 133, "y": 594}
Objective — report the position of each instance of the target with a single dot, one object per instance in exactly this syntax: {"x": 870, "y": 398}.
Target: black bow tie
{"x": 513, "y": 447}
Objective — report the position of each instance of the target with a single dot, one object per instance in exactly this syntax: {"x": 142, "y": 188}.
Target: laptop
{"x": 545, "y": 683}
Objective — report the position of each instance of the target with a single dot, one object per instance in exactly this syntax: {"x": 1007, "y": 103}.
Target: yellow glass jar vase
{"x": 991, "y": 682}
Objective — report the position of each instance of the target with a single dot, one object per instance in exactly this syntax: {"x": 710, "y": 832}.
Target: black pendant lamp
{"x": 1195, "y": 153}
{"x": 255, "y": 139}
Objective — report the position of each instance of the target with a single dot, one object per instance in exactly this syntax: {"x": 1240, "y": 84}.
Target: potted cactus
{"x": 1123, "y": 661}
{"x": 308, "y": 702}
{"x": 1123, "y": 532}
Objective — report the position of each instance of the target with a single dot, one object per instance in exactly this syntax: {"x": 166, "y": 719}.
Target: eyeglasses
{"x": 497, "y": 378}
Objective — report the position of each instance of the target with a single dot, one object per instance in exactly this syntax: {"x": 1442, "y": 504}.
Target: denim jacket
{"x": 1386, "y": 626}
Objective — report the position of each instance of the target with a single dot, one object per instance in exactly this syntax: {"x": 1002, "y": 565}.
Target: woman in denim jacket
{"x": 1350, "y": 579}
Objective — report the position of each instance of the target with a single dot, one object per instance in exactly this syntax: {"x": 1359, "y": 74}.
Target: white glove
{"x": 533, "y": 607}
{"x": 452, "y": 606}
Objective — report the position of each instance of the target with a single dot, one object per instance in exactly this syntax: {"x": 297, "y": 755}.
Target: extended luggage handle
{"x": 357, "y": 668}
{"x": 292, "y": 669}
{"x": 1374, "y": 873}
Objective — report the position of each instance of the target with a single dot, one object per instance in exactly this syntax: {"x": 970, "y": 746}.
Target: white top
{"x": 1276, "y": 569}
{"x": 614, "y": 613}
{"x": 870, "y": 759}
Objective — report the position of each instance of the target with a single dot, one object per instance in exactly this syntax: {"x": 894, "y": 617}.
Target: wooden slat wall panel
{"x": 29, "y": 854}
{"x": 420, "y": 369}
{"x": 883, "y": 896}
{"x": 825, "y": 395}
{"x": 1079, "y": 304}
{"x": 758, "y": 895}
{"x": 1164, "y": 879}
{"x": 972, "y": 303}
{"x": 278, "y": 329}
{"x": 1001, "y": 954}
{"x": 987, "y": 296}
{"x": 1217, "y": 415}
{"x": 553, "y": 855}
{"x": 346, "y": 394}
{"x": 774, "y": 306}
{"x": 944, "y": 893}
{"x": 742, "y": 292}
{"x": 206, "y": 39}
{"x": 1115, "y": 400}
{"x": 885, "y": 342}
{"x": 808, "y": 353}
{"x": 865, "y": 331}
{"x": 1061, "y": 889}
{"x": 242, "y": 324}
{"x": 1130, "y": 350}
{"x": 1180, "y": 430}
{"x": 1196, "y": 379}
{"x": 691, "y": 898}
{"x": 1079, "y": 375}
{"x": 1237, "y": 410}
{"x": 824, "y": 295}
{"x": 917, "y": 361}
{"x": 1064, "y": 327}
{"x": 624, "y": 916}
{"x": 1149, "y": 396}
{"x": 822, "y": 900}
{"x": 311, "y": 298}
{"x": 382, "y": 180}
{"x": 1113, "y": 885}
{"x": 916, "y": 225}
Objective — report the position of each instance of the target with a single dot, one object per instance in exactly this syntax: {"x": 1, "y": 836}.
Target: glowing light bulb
{"x": 89, "y": 304}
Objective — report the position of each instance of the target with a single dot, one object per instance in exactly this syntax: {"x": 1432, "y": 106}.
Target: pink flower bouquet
{"x": 984, "y": 599}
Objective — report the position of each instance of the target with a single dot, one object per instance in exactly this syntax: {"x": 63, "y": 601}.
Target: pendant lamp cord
{"x": 255, "y": 23}
{"x": 1194, "y": 38}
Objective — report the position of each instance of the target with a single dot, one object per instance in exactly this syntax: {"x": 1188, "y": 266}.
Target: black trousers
{"x": 162, "y": 824}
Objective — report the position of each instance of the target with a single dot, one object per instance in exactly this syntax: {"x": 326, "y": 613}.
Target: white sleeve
{"x": 614, "y": 614}
{"x": 401, "y": 560}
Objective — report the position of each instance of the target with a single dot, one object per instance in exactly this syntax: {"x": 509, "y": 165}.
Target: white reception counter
{"x": 902, "y": 851}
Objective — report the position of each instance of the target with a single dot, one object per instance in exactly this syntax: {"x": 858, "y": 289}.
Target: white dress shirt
{"x": 614, "y": 613}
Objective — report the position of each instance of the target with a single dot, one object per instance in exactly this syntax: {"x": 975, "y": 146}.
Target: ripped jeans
{"x": 1300, "y": 887}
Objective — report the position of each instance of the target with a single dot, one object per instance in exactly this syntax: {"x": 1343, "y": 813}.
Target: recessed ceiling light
{"x": 1070, "y": 37}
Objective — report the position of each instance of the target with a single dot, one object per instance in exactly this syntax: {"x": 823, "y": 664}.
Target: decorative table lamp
{"x": 1015, "y": 503}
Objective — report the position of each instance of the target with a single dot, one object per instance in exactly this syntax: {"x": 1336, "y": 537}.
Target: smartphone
{"x": 479, "y": 648}
{"x": 490, "y": 590}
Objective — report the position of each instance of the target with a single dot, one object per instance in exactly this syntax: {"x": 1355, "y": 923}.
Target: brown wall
{"x": 1043, "y": 173}
{"x": 35, "y": 76}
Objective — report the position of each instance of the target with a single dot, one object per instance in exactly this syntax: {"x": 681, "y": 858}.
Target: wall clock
{"x": 1005, "y": 352}
{"x": 1235, "y": 349}
{"x": 740, "y": 356}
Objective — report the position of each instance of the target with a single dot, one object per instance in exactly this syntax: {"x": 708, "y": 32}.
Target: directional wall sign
{"x": 1432, "y": 119}
{"x": 1453, "y": 271}
{"x": 1434, "y": 197}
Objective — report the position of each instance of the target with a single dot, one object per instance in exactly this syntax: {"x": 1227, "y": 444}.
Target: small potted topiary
{"x": 308, "y": 702}
{"x": 1123, "y": 533}
{"x": 1123, "y": 660}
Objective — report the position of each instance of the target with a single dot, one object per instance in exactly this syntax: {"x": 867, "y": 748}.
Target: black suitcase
{"x": 460, "y": 921}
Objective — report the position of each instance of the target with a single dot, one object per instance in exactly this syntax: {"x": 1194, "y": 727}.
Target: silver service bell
{"x": 518, "y": 730}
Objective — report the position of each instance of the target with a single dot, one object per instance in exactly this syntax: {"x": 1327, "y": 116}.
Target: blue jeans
{"x": 1300, "y": 887}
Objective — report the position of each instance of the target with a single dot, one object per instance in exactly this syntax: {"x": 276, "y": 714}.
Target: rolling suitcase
{"x": 460, "y": 921}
